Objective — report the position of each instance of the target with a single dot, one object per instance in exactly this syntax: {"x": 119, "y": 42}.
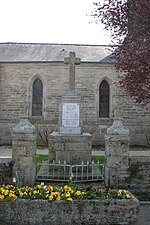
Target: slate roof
{"x": 32, "y": 52}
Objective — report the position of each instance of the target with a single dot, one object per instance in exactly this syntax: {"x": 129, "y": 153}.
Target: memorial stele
{"x": 70, "y": 107}
{"x": 70, "y": 143}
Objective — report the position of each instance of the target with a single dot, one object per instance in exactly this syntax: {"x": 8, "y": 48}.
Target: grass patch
{"x": 40, "y": 158}
{"x": 101, "y": 159}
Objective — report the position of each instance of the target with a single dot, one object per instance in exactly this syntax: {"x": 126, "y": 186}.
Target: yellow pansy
{"x": 3, "y": 190}
{"x": 67, "y": 195}
{"x": 2, "y": 196}
{"x": 11, "y": 195}
{"x": 39, "y": 186}
{"x": 58, "y": 197}
{"x": 106, "y": 197}
{"x": 51, "y": 197}
{"x": 50, "y": 188}
{"x": 128, "y": 195}
{"x": 98, "y": 189}
{"x": 21, "y": 194}
{"x": 78, "y": 193}
{"x": 67, "y": 188}
{"x": 15, "y": 197}
{"x": 6, "y": 192}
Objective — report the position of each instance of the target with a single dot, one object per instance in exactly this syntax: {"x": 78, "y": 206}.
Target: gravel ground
{"x": 6, "y": 151}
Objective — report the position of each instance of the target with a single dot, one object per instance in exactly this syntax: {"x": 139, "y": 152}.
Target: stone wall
{"x": 139, "y": 174}
{"x": 16, "y": 88}
{"x": 100, "y": 212}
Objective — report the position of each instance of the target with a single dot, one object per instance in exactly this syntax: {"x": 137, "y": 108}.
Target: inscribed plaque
{"x": 70, "y": 114}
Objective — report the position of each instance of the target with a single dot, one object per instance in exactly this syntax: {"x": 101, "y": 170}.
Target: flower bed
{"x": 66, "y": 205}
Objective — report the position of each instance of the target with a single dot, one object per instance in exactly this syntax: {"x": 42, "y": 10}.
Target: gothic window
{"x": 37, "y": 98}
{"x": 104, "y": 99}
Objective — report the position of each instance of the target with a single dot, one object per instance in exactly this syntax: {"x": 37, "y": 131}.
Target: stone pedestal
{"x": 24, "y": 151}
{"x": 117, "y": 154}
{"x": 73, "y": 148}
{"x": 70, "y": 144}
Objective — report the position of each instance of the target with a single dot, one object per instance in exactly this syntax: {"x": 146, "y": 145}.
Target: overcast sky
{"x": 50, "y": 21}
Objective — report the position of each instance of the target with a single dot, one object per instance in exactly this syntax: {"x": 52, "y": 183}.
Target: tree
{"x": 129, "y": 23}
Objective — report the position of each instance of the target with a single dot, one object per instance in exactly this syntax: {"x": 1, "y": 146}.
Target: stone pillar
{"x": 24, "y": 152}
{"x": 117, "y": 154}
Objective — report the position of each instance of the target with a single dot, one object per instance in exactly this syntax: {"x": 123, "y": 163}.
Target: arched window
{"x": 37, "y": 98}
{"x": 104, "y": 99}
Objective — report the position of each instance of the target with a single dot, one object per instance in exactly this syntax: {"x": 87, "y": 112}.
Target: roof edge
{"x": 30, "y": 43}
{"x": 50, "y": 62}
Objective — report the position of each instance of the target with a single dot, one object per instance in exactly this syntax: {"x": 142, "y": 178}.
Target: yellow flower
{"x": 6, "y": 192}
{"x": 39, "y": 186}
{"x": 2, "y": 196}
{"x": 67, "y": 195}
{"x": 120, "y": 192}
{"x": 58, "y": 197}
{"x": 21, "y": 194}
{"x": 106, "y": 197}
{"x": 50, "y": 188}
{"x": 128, "y": 196}
{"x": 67, "y": 188}
{"x": 78, "y": 193}
{"x": 11, "y": 195}
{"x": 51, "y": 197}
{"x": 15, "y": 197}
{"x": 69, "y": 199}
{"x": 56, "y": 194}
{"x": 36, "y": 192}
{"x": 3, "y": 191}
{"x": 98, "y": 190}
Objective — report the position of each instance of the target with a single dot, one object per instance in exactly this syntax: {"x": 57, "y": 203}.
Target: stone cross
{"x": 72, "y": 61}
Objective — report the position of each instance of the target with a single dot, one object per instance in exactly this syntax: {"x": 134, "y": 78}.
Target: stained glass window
{"x": 104, "y": 99}
{"x": 37, "y": 98}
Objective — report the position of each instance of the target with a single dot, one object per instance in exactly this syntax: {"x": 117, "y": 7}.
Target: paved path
{"x": 131, "y": 153}
{"x": 144, "y": 214}
{"x": 6, "y": 151}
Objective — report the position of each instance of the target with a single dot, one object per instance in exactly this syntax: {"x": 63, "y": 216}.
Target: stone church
{"x": 33, "y": 77}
